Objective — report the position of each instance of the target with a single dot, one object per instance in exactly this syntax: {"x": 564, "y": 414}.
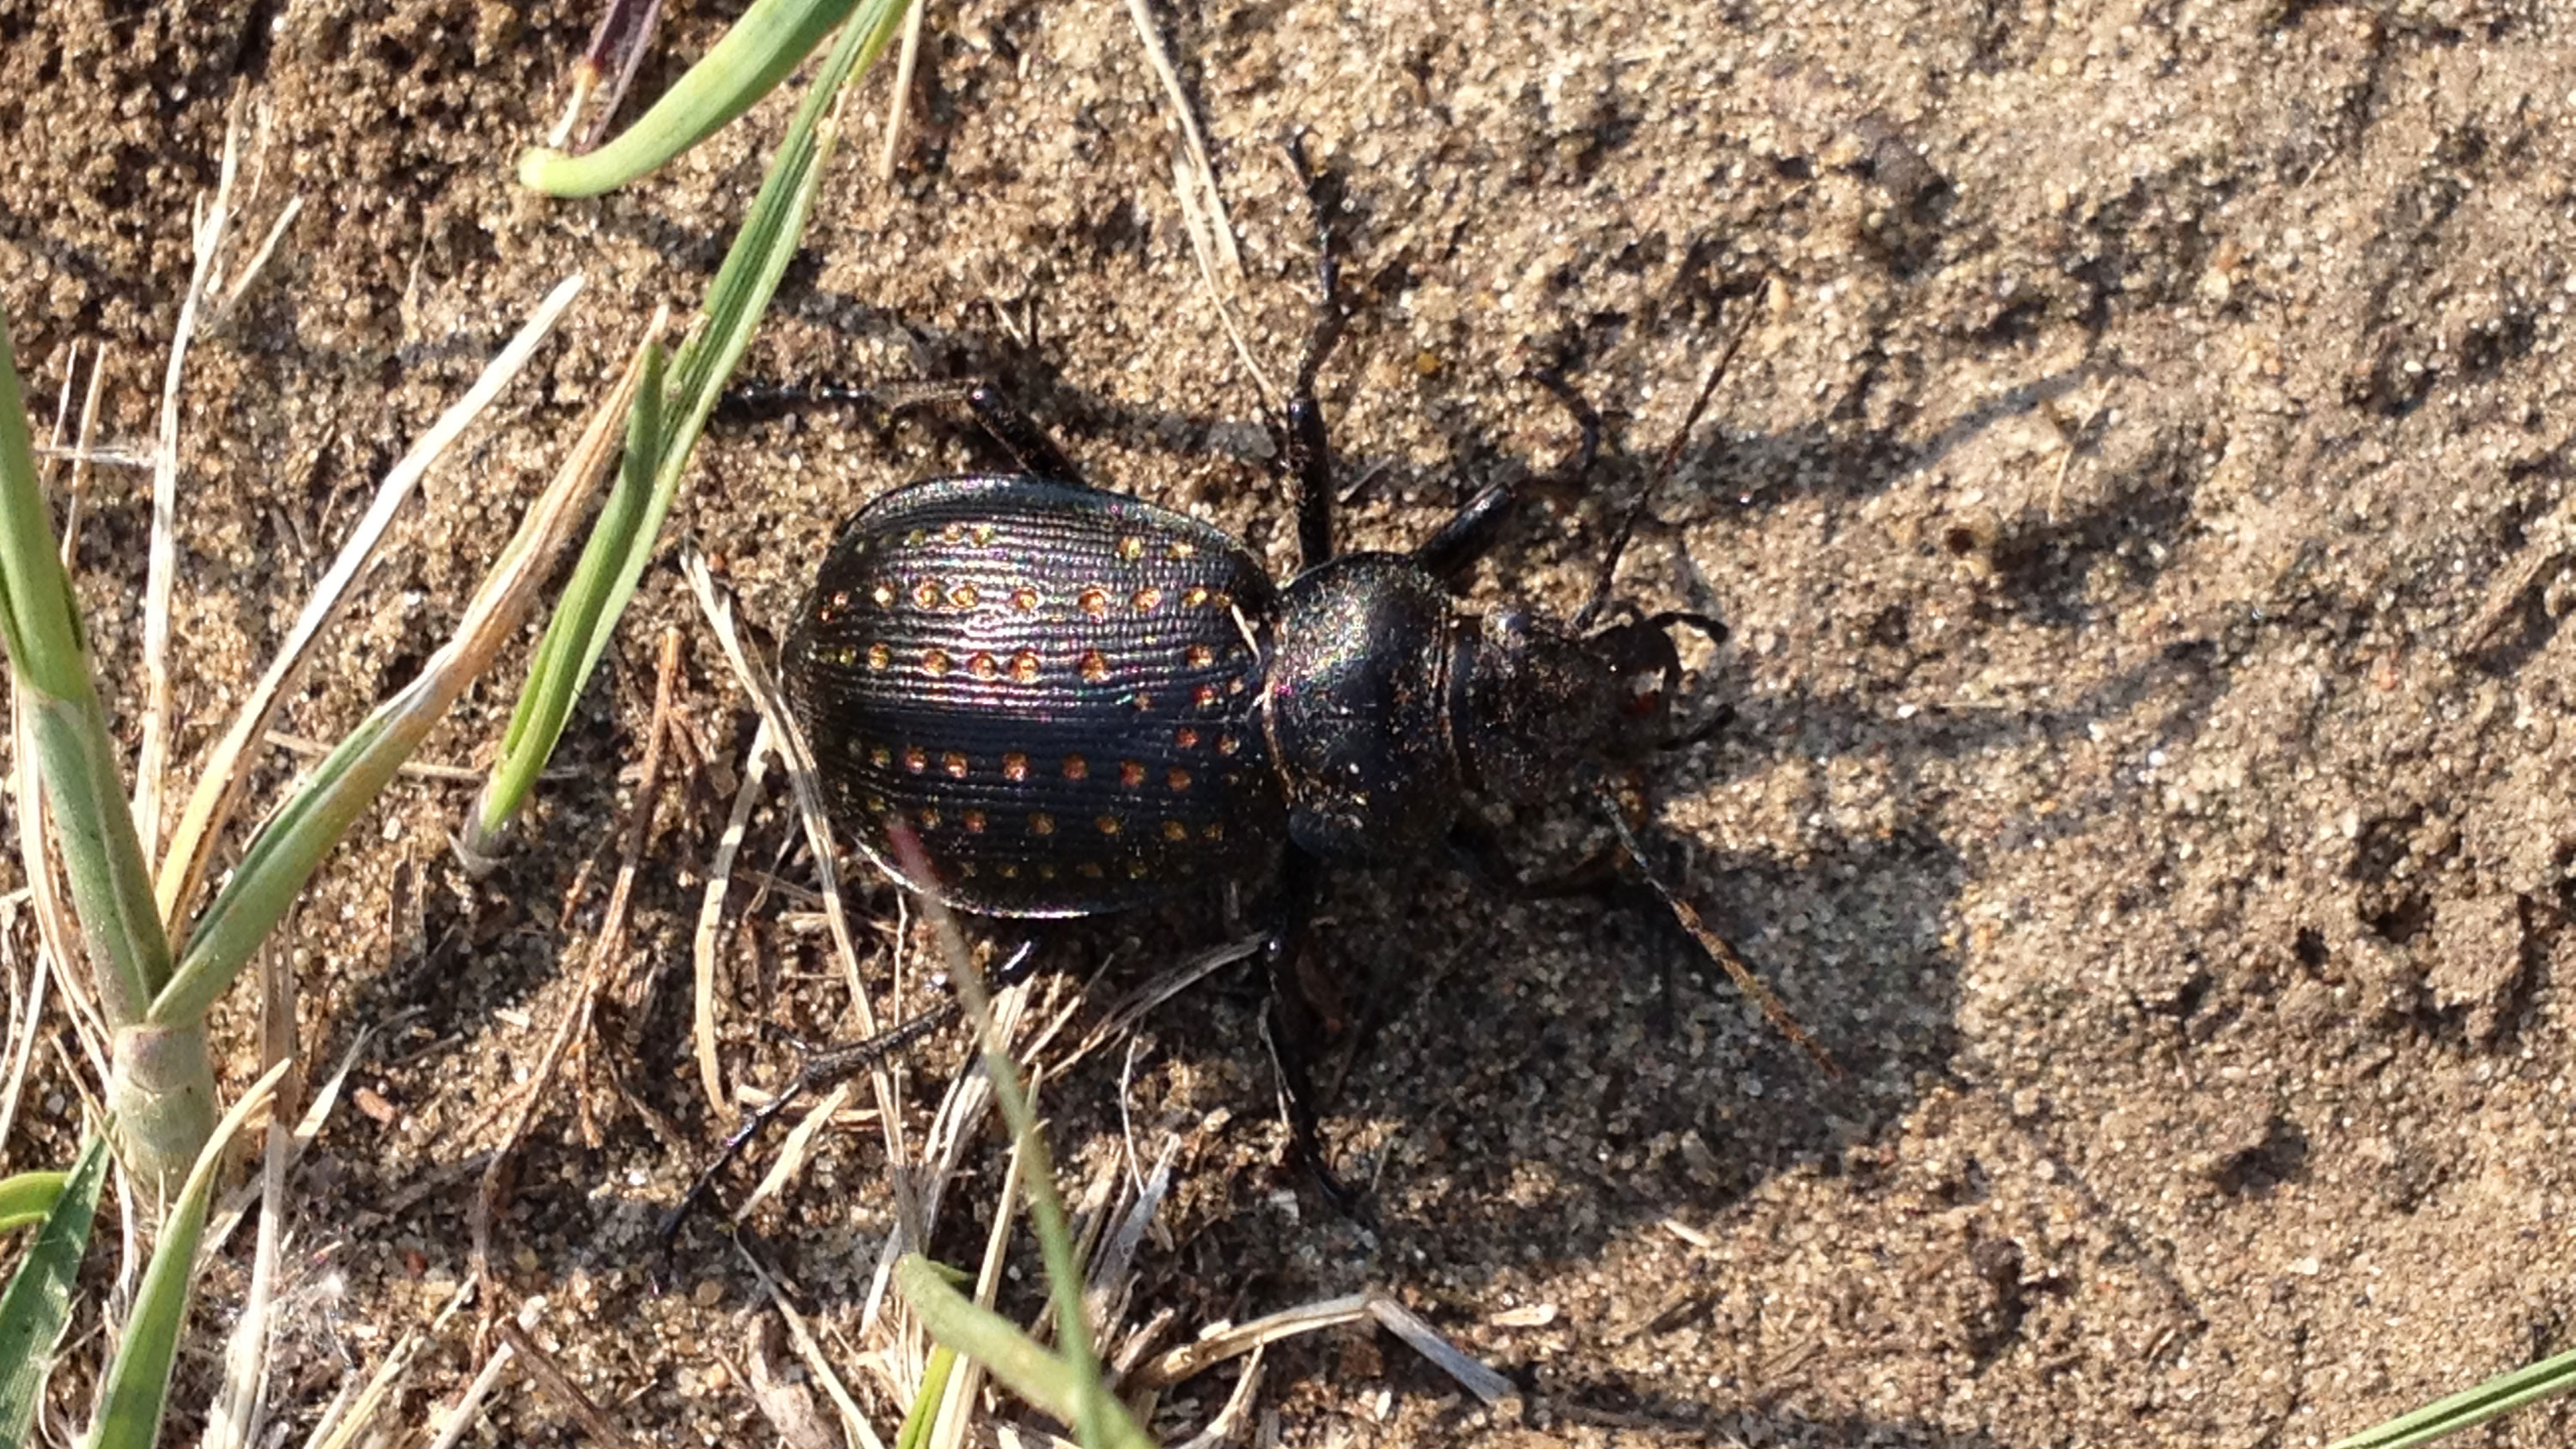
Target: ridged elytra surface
{"x": 1051, "y": 683}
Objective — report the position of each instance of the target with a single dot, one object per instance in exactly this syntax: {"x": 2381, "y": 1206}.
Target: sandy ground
{"x": 2140, "y": 505}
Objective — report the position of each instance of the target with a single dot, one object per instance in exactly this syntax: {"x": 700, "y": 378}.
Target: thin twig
{"x": 162, "y": 568}
{"x": 705, "y": 943}
{"x": 901, "y": 101}
{"x": 560, "y": 1387}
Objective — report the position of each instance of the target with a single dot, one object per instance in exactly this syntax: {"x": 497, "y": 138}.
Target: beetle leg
{"x": 1305, "y": 454}
{"x": 1473, "y": 529}
{"x": 826, "y": 1067}
{"x": 1291, "y": 1025}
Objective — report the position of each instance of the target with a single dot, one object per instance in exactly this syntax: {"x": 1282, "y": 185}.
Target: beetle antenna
{"x": 1601, "y": 582}
{"x": 1717, "y": 947}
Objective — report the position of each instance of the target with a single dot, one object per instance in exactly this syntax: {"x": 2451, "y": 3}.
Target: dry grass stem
{"x": 717, "y": 607}
{"x": 237, "y": 1204}
{"x": 901, "y": 101}
{"x": 27, "y": 1011}
{"x": 259, "y": 259}
{"x": 796, "y": 1149}
{"x": 706, "y": 942}
{"x": 162, "y": 566}
{"x": 966, "y": 1383}
{"x": 1124, "y": 1013}
{"x": 1199, "y": 172}
{"x": 460, "y": 1417}
{"x": 1227, "y": 1426}
{"x": 219, "y": 785}
{"x": 235, "y": 1421}
{"x": 786, "y": 1404}
{"x": 811, "y": 1354}
{"x": 343, "y": 1429}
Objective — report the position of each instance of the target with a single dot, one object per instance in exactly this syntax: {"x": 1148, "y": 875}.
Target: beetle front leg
{"x": 1472, "y": 531}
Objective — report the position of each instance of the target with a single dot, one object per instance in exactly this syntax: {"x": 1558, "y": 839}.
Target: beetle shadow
{"x": 1541, "y": 1076}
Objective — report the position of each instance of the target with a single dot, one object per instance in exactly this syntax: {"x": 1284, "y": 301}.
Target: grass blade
{"x": 749, "y": 62}
{"x": 1054, "y": 1385}
{"x": 612, "y": 565}
{"x": 138, "y": 1382}
{"x": 28, "y": 1197}
{"x": 1098, "y": 1419}
{"x": 39, "y": 1296}
{"x": 49, "y": 662}
{"x": 556, "y": 676}
{"x": 285, "y": 853}
{"x": 219, "y": 787}
{"x": 2470, "y": 1407}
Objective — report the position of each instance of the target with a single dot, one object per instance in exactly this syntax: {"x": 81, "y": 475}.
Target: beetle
{"x": 1028, "y": 696}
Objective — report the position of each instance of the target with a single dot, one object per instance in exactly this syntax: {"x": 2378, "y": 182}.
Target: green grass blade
{"x": 923, "y": 1417}
{"x": 285, "y": 852}
{"x": 752, "y": 58}
{"x": 2470, "y": 1407}
{"x": 1099, "y": 1421}
{"x": 555, "y": 678}
{"x": 771, "y": 232}
{"x": 39, "y": 1296}
{"x": 27, "y": 1198}
{"x": 1054, "y": 1385}
{"x": 49, "y": 661}
{"x": 138, "y": 1381}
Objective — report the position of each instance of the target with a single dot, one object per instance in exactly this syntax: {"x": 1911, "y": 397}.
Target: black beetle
{"x": 1077, "y": 702}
